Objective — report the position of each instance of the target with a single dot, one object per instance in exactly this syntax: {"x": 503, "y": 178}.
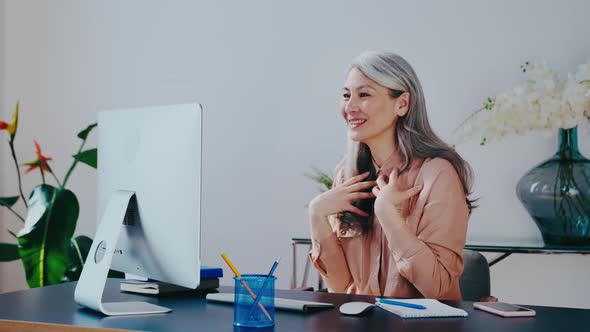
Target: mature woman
{"x": 395, "y": 222}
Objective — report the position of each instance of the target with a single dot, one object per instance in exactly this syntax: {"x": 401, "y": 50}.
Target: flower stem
{"x": 73, "y": 165}
{"x": 55, "y": 177}
{"x": 12, "y": 233}
{"x": 16, "y": 214}
{"x": 20, "y": 185}
{"x": 56, "y": 180}
{"x": 472, "y": 115}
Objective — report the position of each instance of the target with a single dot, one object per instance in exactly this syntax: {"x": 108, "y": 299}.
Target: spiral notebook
{"x": 434, "y": 308}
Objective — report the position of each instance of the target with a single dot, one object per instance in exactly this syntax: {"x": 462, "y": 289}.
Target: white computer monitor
{"x": 148, "y": 202}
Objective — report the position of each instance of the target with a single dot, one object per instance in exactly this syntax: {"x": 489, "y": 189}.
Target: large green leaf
{"x": 88, "y": 157}
{"x": 8, "y": 201}
{"x": 44, "y": 242}
{"x": 84, "y": 133}
{"x": 79, "y": 248}
{"x": 8, "y": 252}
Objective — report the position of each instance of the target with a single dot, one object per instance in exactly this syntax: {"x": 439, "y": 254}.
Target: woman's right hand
{"x": 340, "y": 198}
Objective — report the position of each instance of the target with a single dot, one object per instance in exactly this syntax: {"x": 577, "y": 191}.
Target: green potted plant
{"x": 324, "y": 179}
{"x": 45, "y": 243}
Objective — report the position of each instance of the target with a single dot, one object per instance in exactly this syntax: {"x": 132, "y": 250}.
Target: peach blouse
{"x": 424, "y": 261}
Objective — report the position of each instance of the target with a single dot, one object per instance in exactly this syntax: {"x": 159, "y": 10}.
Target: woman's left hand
{"x": 389, "y": 196}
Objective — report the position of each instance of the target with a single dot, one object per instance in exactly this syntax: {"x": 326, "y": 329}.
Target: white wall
{"x": 2, "y": 156}
{"x": 269, "y": 77}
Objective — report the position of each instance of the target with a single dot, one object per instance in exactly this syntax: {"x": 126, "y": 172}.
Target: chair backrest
{"x": 475, "y": 281}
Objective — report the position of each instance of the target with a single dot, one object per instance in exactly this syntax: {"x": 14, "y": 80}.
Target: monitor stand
{"x": 92, "y": 281}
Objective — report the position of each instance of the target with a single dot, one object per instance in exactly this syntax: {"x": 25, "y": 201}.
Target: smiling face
{"x": 369, "y": 109}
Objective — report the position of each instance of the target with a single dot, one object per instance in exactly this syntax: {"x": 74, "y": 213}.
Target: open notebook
{"x": 280, "y": 303}
{"x": 434, "y": 308}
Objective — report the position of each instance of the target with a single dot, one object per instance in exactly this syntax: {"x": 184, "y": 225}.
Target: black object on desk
{"x": 55, "y": 304}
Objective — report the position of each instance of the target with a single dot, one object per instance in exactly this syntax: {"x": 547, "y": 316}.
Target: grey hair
{"x": 414, "y": 136}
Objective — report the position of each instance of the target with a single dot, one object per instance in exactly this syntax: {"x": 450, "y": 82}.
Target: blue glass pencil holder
{"x": 247, "y": 313}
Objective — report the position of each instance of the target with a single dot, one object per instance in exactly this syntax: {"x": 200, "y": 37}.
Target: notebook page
{"x": 434, "y": 308}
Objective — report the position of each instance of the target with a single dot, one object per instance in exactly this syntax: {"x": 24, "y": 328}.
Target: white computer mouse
{"x": 355, "y": 308}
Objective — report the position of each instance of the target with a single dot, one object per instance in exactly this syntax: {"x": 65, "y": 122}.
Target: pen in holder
{"x": 259, "y": 293}
{"x": 248, "y": 310}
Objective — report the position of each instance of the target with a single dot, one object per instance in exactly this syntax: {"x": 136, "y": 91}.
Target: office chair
{"x": 475, "y": 280}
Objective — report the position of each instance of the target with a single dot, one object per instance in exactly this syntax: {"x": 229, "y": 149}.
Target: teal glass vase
{"x": 556, "y": 194}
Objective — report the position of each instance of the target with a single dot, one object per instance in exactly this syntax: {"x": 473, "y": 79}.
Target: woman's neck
{"x": 381, "y": 151}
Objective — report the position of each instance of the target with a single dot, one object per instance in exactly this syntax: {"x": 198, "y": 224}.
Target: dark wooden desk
{"x": 55, "y": 304}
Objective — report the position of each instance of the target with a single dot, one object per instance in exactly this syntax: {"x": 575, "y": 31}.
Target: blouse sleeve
{"x": 432, "y": 259}
{"x": 328, "y": 257}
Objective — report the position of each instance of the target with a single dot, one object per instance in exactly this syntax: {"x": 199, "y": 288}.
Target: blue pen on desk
{"x": 402, "y": 304}
{"x": 261, "y": 290}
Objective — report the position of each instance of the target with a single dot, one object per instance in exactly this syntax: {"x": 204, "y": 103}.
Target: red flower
{"x": 3, "y": 125}
{"x": 40, "y": 162}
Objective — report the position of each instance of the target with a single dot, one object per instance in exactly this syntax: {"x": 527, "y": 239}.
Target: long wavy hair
{"x": 414, "y": 137}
